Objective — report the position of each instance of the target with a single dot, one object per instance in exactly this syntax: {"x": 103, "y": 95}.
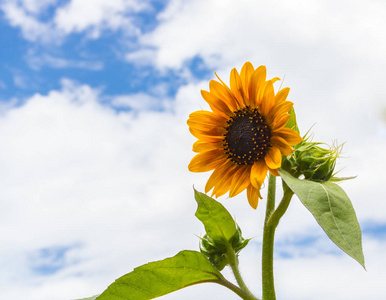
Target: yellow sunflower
{"x": 244, "y": 136}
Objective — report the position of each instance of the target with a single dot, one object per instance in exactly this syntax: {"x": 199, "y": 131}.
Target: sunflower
{"x": 245, "y": 134}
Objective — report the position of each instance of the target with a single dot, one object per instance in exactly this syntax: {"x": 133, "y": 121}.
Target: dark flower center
{"x": 247, "y": 137}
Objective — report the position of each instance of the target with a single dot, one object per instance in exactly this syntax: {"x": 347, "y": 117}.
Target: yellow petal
{"x": 224, "y": 93}
{"x": 228, "y": 93}
{"x": 253, "y": 195}
{"x": 273, "y": 172}
{"x": 280, "y": 121}
{"x": 200, "y": 146}
{"x": 280, "y": 109}
{"x": 258, "y": 173}
{"x": 255, "y": 84}
{"x": 207, "y": 161}
{"x": 273, "y": 158}
{"x": 204, "y": 137}
{"x": 201, "y": 133}
{"x": 282, "y": 95}
{"x": 218, "y": 174}
{"x": 240, "y": 181}
{"x": 291, "y": 136}
{"x": 283, "y": 146}
{"x": 237, "y": 87}
{"x": 245, "y": 75}
{"x": 206, "y": 120}
{"x": 216, "y": 104}
{"x": 224, "y": 183}
{"x": 268, "y": 99}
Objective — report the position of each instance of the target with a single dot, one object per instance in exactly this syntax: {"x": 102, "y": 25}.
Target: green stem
{"x": 282, "y": 207}
{"x": 268, "y": 243}
{"x": 234, "y": 264}
{"x": 272, "y": 218}
{"x": 234, "y": 288}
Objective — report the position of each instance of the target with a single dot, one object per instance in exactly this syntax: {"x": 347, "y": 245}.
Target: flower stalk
{"x": 272, "y": 218}
{"x": 234, "y": 264}
{"x": 268, "y": 244}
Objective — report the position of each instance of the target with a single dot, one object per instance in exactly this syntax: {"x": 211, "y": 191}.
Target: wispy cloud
{"x": 20, "y": 81}
{"x": 39, "y": 60}
{"x": 2, "y": 85}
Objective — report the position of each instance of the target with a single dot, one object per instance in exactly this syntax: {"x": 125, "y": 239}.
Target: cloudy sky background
{"x": 94, "y": 97}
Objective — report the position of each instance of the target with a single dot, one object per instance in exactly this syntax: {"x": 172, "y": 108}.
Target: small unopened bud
{"x": 214, "y": 252}
{"x": 312, "y": 161}
{"x": 217, "y": 251}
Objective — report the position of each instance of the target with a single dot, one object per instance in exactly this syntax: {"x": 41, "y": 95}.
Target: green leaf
{"x": 218, "y": 222}
{"x": 162, "y": 277}
{"x": 333, "y": 210}
{"x": 292, "y": 121}
{"x": 90, "y": 298}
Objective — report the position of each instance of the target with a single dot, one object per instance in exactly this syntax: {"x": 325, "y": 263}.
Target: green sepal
{"x": 338, "y": 179}
{"x": 162, "y": 277}
{"x": 216, "y": 255}
{"x": 333, "y": 210}
{"x": 292, "y": 124}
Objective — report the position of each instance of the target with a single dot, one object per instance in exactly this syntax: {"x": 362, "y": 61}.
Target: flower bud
{"x": 217, "y": 251}
{"x": 312, "y": 161}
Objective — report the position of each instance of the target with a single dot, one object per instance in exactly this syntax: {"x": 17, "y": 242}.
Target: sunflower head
{"x": 245, "y": 134}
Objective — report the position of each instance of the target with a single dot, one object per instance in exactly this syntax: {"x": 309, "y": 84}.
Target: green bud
{"x": 217, "y": 251}
{"x": 214, "y": 252}
{"x": 312, "y": 161}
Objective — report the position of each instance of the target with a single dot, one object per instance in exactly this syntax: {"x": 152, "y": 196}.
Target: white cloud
{"x": 69, "y": 163}
{"x": 32, "y": 29}
{"x": 328, "y": 276}
{"x": 140, "y": 102}
{"x": 114, "y": 188}
{"x": 90, "y": 17}
{"x": 296, "y": 34}
{"x": 100, "y": 15}
{"x": 34, "y": 6}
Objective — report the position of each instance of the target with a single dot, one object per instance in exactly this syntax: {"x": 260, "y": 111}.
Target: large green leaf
{"x": 162, "y": 277}
{"x": 218, "y": 222}
{"x": 333, "y": 210}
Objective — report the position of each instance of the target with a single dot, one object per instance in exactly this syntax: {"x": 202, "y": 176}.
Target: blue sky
{"x": 94, "y": 98}
{"x": 30, "y": 67}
